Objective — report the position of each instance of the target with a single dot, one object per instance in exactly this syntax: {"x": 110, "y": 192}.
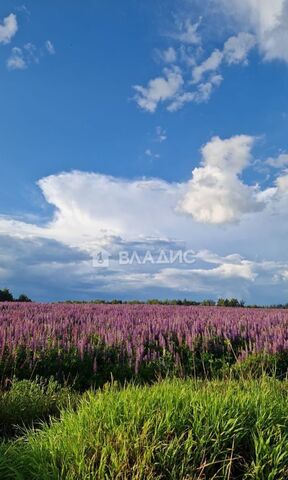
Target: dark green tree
{"x": 23, "y": 298}
{"x": 208, "y": 303}
{"x": 6, "y": 295}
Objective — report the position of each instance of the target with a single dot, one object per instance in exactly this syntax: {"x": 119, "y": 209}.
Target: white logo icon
{"x": 101, "y": 259}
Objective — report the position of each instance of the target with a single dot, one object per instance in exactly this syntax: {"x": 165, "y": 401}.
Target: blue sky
{"x": 144, "y": 126}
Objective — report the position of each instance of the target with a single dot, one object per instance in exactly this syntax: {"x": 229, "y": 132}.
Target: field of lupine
{"x": 221, "y": 415}
{"x": 89, "y": 344}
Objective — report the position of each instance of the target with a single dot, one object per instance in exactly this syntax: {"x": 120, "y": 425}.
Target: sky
{"x": 144, "y": 149}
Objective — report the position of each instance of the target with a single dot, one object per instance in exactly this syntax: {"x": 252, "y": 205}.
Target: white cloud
{"x": 16, "y": 61}
{"x": 216, "y": 194}
{"x": 282, "y": 187}
{"x": 149, "y": 153}
{"x": 268, "y": 20}
{"x": 237, "y": 48}
{"x": 92, "y": 211}
{"x": 278, "y": 162}
{"x": 171, "y": 277}
{"x": 210, "y": 257}
{"x": 188, "y": 55}
{"x": 8, "y": 28}
{"x": 257, "y": 23}
{"x": 31, "y": 53}
{"x": 204, "y": 90}
{"x": 50, "y": 47}
{"x": 93, "y": 208}
{"x": 88, "y": 206}
{"x": 21, "y": 58}
{"x": 169, "y": 55}
{"x": 187, "y": 32}
{"x": 175, "y": 86}
{"x": 180, "y": 100}
{"x": 211, "y": 64}
{"x": 161, "y": 134}
{"x": 227, "y": 279}
{"x": 159, "y": 89}
{"x": 202, "y": 93}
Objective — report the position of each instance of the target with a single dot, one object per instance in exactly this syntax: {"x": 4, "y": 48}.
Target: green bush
{"x": 257, "y": 365}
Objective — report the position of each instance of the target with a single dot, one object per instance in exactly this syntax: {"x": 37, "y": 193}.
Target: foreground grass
{"x": 176, "y": 430}
{"x": 25, "y": 403}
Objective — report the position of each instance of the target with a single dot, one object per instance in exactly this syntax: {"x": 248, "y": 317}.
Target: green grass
{"x": 25, "y": 403}
{"x": 178, "y": 430}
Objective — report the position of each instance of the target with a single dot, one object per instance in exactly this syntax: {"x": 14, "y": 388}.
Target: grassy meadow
{"x": 173, "y": 429}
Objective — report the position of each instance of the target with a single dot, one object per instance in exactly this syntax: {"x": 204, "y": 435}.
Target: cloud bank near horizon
{"x": 93, "y": 211}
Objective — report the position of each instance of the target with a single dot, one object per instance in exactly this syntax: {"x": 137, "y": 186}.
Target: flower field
{"x": 90, "y": 343}
{"x": 222, "y": 423}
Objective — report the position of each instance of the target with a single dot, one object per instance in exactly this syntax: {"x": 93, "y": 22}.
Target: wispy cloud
{"x": 206, "y": 75}
{"x": 211, "y": 64}
{"x": 150, "y": 154}
{"x": 50, "y": 47}
{"x": 161, "y": 134}
{"x": 159, "y": 89}
{"x": 167, "y": 56}
{"x": 235, "y": 51}
{"x": 8, "y": 28}
{"x": 16, "y": 61}
{"x": 257, "y": 25}
{"x": 187, "y": 32}
{"x": 237, "y": 48}
{"x": 21, "y": 58}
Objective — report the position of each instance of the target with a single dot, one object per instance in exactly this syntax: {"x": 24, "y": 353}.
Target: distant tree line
{"x": 6, "y": 296}
{"x": 221, "y": 302}
{"x": 232, "y": 302}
